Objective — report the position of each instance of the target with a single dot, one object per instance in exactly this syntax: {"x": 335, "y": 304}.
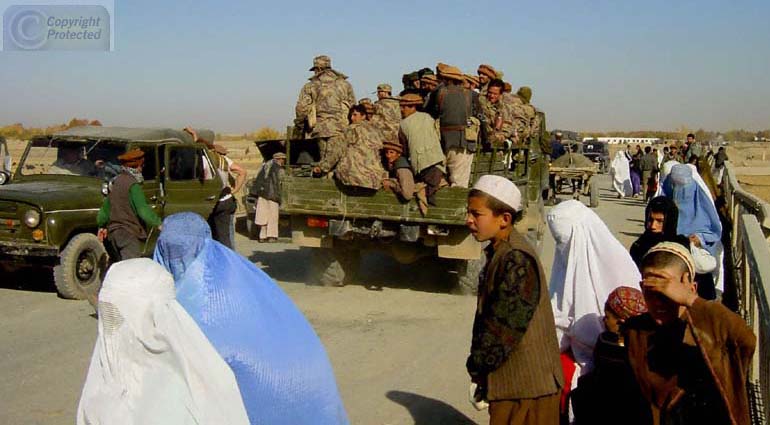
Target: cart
{"x": 577, "y": 172}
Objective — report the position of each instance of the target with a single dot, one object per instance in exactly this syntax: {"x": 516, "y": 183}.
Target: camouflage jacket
{"x": 355, "y": 157}
{"x": 491, "y": 111}
{"x": 522, "y": 116}
{"x": 538, "y": 137}
{"x": 387, "y": 117}
{"x": 332, "y": 95}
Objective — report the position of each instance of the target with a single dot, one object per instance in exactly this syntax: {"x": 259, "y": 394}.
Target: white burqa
{"x": 588, "y": 264}
{"x": 151, "y": 363}
{"x": 621, "y": 175}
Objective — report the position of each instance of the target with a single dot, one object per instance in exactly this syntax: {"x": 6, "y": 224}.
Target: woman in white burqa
{"x": 588, "y": 264}
{"x": 620, "y": 172}
{"x": 151, "y": 363}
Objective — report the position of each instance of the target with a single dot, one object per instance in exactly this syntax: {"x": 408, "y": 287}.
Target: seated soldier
{"x": 689, "y": 355}
{"x": 400, "y": 179}
{"x": 355, "y": 156}
{"x": 418, "y": 133}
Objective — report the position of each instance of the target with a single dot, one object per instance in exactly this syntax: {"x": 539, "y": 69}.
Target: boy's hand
{"x": 672, "y": 289}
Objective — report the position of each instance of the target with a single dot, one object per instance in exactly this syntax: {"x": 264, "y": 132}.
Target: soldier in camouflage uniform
{"x": 355, "y": 156}
{"x": 521, "y": 116}
{"x": 367, "y": 103}
{"x": 498, "y": 119}
{"x": 486, "y": 74}
{"x": 387, "y": 113}
{"x": 323, "y": 104}
{"x": 525, "y": 96}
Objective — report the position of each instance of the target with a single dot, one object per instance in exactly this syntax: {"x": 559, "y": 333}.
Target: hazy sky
{"x": 235, "y": 66}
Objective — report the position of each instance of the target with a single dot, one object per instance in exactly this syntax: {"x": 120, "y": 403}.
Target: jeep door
{"x": 190, "y": 184}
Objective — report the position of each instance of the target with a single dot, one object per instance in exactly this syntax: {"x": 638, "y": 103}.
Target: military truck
{"x": 48, "y": 211}
{"x": 338, "y": 224}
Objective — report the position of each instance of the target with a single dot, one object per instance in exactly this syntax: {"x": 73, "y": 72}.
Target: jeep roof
{"x": 130, "y": 134}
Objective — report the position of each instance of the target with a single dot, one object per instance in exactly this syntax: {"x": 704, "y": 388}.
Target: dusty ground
{"x": 758, "y": 185}
{"x": 398, "y": 352}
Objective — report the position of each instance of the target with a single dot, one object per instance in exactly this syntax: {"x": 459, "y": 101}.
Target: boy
{"x": 514, "y": 357}
{"x": 690, "y": 356}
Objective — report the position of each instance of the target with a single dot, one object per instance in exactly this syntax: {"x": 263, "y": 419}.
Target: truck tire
{"x": 82, "y": 264}
{"x": 467, "y": 276}
{"x": 593, "y": 192}
{"x": 334, "y": 267}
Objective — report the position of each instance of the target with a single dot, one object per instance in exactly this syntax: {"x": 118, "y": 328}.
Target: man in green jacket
{"x": 125, "y": 212}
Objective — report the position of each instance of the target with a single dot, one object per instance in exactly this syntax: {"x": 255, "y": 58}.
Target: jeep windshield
{"x": 72, "y": 158}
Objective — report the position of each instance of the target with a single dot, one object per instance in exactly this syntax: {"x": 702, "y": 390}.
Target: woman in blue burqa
{"x": 698, "y": 218}
{"x": 281, "y": 367}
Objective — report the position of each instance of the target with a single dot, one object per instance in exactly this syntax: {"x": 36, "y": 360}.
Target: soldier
{"x": 323, "y": 104}
{"x": 521, "y": 120}
{"x": 524, "y": 94}
{"x": 411, "y": 83}
{"x": 498, "y": 120}
{"x": 454, "y": 106}
{"x": 124, "y": 212}
{"x": 418, "y": 134}
{"x": 367, "y": 103}
{"x": 355, "y": 157}
{"x": 387, "y": 113}
{"x": 486, "y": 74}
{"x": 540, "y": 152}
{"x": 472, "y": 83}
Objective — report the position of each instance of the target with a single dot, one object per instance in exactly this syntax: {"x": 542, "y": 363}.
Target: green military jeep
{"x": 338, "y": 224}
{"x": 48, "y": 212}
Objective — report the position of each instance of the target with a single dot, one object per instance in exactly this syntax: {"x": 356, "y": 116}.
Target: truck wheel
{"x": 467, "y": 277}
{"x": 332, "y": 267}
{"x": 594, "y": 193}
{"x": 82, "y": 264}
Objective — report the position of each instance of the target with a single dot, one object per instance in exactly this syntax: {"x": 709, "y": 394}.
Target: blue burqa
{"x": 281, "y": 367}
{"x": 697, "y": 214}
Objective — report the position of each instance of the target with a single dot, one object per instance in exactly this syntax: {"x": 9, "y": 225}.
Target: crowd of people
{"x": 633, "y": 337}
{"x": 201, "y": 335}
{"x": 435, "y": 126}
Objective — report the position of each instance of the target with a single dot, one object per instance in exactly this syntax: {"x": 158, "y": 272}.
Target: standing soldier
{"x": 323, "y": 104}
{"x": 125, "y": 213}
{"x": 486, "y": 74}
{"x": 528, "y": 111}
{"x": 498, "y": 120}
{"x": 455, "y": 108}
{"x": 387, "y": 113}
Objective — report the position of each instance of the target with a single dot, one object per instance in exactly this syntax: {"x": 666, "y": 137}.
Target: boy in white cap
{"x": 514, "y": 357}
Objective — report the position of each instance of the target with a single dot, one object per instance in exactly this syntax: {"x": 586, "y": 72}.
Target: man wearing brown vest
{"x": 514, "y": 356}
{"x": 125, "y": 212}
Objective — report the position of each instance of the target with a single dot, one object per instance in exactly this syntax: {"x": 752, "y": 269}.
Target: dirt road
{"x": 397, "y": 340}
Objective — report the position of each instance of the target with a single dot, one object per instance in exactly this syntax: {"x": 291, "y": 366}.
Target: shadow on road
{"x": 632, "y": 234}
{"x": 428, "y": 411}
{"x": 28, "y": 279}
{"x": 376, "y": 270}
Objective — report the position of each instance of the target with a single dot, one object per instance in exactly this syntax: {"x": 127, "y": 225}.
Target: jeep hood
{"x": 53, "y": 195}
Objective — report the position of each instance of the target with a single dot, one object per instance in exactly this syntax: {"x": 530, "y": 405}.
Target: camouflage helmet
{"x": 384, "y": 87}
{"x": 321, "y": 62}
{"x": 525, "y": 93}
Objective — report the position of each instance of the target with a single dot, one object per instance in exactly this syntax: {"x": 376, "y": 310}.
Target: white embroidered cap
{"x": 501, "y": 189}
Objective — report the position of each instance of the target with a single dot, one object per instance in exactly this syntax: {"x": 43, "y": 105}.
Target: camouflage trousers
{"x": 328, "y": 146}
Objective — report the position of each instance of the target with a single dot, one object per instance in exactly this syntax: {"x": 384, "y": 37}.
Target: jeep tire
{"x": 334, "y": 267}
{"x": 82, "y": 264}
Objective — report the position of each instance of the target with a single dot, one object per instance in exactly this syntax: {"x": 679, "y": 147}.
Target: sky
{"x": 235, "y": 66}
